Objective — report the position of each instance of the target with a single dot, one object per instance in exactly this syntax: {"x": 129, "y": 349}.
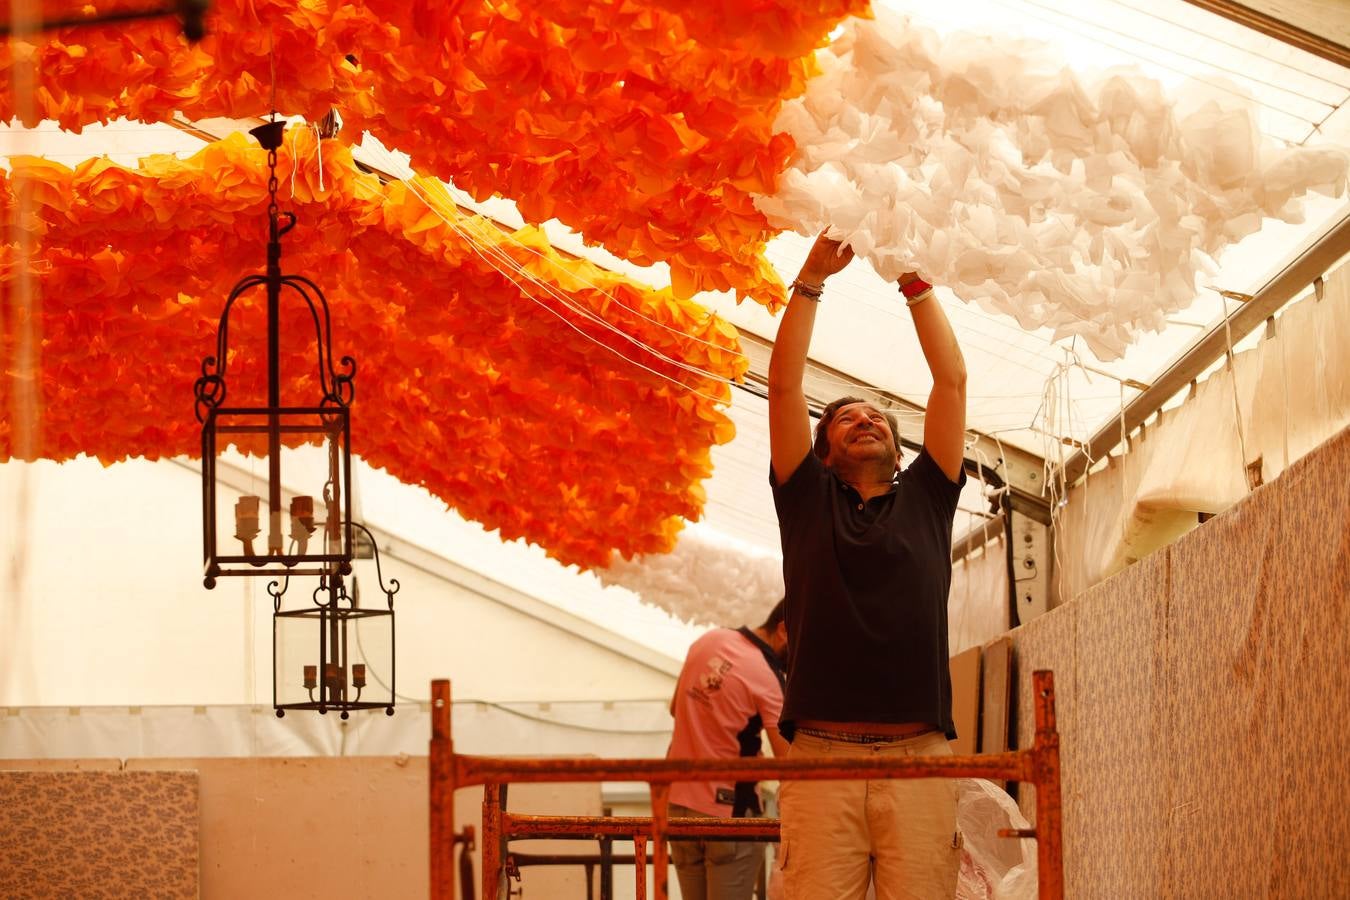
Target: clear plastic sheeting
{"x": 993, "y": 867}
{"x": 1087, "y": 203}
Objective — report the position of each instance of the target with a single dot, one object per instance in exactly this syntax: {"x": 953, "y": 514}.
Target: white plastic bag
{"x": 992, "y": 867}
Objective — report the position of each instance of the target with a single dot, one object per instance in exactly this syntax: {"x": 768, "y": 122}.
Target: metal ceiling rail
{"x": 1303, "y": 271}
{"x": 1283, "y": 31}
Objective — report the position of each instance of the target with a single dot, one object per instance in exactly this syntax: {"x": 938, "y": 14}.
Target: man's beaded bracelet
{"x": 806, "y": 289}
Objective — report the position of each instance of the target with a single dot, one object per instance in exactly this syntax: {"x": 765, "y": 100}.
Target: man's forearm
{"x": 789, "y": 417}
{"x": 937, "y": 340}
{"x": 787, "y": 362}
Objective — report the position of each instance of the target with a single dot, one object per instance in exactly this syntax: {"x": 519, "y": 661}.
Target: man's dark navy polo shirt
{"x": 866, "y": 588}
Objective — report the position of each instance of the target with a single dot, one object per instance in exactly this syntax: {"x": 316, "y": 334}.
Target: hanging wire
{"x": 1171, "y": 68}
{"x": 1213, "y": 38}
{"x": 497, "y": 259}
{"x": 390, "y": 164}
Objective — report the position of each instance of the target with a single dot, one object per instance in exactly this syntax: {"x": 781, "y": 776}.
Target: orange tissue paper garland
{"x": 505, "y": 401}
{"x": 645, "y": 126}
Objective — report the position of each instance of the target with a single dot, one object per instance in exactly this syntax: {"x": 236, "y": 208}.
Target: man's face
{"x": 859, "y": 432}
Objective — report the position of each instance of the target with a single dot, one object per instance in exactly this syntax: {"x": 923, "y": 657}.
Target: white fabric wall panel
{"x": 101, "y": 604}
{"x": 1292, "y": 393}
{"x": 977, "y": 607}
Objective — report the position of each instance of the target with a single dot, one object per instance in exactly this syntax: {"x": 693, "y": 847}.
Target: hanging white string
{"x": 295, "y": 156}
{"x": 318, "y": 149}
{"x": 1231, "y": 366}
{"x": 295, "y": 153}
{"x": 503, "y": 264}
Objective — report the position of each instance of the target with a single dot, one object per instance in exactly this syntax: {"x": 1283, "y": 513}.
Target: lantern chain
{"x": 272, "y": 208}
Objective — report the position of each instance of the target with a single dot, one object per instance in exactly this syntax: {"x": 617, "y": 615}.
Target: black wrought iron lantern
{"x": 295, "y": 525}
{"x": 330, "y": 653}
{"x": 349, "y": 664}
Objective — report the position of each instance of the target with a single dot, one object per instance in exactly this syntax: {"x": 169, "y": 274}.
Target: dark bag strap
{"x": 775, "y": 664}
{"x": 747, "y": 798}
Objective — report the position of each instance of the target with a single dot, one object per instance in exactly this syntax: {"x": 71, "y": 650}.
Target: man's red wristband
{"x": 912, "y": 289}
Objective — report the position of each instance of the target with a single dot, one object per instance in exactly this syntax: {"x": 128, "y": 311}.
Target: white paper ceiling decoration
{"x": 707, "y": 579}
{"x": 1087, "y": 204}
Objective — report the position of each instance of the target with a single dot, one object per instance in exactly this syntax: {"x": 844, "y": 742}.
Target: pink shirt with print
{"x": 725, "y": 683}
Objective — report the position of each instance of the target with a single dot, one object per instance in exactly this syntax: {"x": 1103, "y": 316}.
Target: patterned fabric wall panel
{"x": 1203, "y": 711}
{"x": 1227, "y": 652}
{"x": 1309, "y": 826}
{"x": 1117, "y": 808}
{"x": 96, "y": 835}
{"x": 1047, "y": 642}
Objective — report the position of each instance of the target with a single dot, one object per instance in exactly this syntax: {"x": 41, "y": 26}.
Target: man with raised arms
{"x": 867, "y": 567}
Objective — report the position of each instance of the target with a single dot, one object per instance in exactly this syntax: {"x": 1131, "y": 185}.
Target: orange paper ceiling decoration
{"x": 562, "y": 405}
{"x": 642, "y": 124}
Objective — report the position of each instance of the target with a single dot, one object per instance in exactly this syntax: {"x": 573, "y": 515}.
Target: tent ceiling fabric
{"x": 637, "y": 134}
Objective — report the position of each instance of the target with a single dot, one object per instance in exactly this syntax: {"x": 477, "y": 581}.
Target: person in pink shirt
{"x": 730, "y": 690}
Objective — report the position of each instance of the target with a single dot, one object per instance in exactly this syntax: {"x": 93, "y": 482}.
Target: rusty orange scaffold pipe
{"x": 660, "y": 850}
{"x": 494, "y": 839}
{"x": 518, "y": 826}
{"x": 441, "y": 774}
{"x": 471, "y": 770}
{"x": 1045, "y": 757}
{"x": 640, "y": 865}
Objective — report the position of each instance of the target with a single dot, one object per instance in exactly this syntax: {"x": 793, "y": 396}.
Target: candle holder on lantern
{"x": 334, "y": 653}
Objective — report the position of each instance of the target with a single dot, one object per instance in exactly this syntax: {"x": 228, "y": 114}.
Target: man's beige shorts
{"x": 836, "y": 834}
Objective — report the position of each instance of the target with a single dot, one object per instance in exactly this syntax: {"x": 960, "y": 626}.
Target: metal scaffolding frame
{"x": 450, "y": 771}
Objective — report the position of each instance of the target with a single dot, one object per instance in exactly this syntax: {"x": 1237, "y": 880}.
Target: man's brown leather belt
{"x": 849, "y": 737}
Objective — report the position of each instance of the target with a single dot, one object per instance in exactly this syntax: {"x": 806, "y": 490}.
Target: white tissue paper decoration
{"x": 708, "y": 579}
{"x": 986, "y": 165}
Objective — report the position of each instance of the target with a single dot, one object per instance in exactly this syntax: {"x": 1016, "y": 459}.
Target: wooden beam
{"x": 1281, "y": 30}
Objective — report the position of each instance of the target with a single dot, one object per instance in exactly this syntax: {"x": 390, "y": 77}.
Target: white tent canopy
{"x": 1026, "y": 391}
